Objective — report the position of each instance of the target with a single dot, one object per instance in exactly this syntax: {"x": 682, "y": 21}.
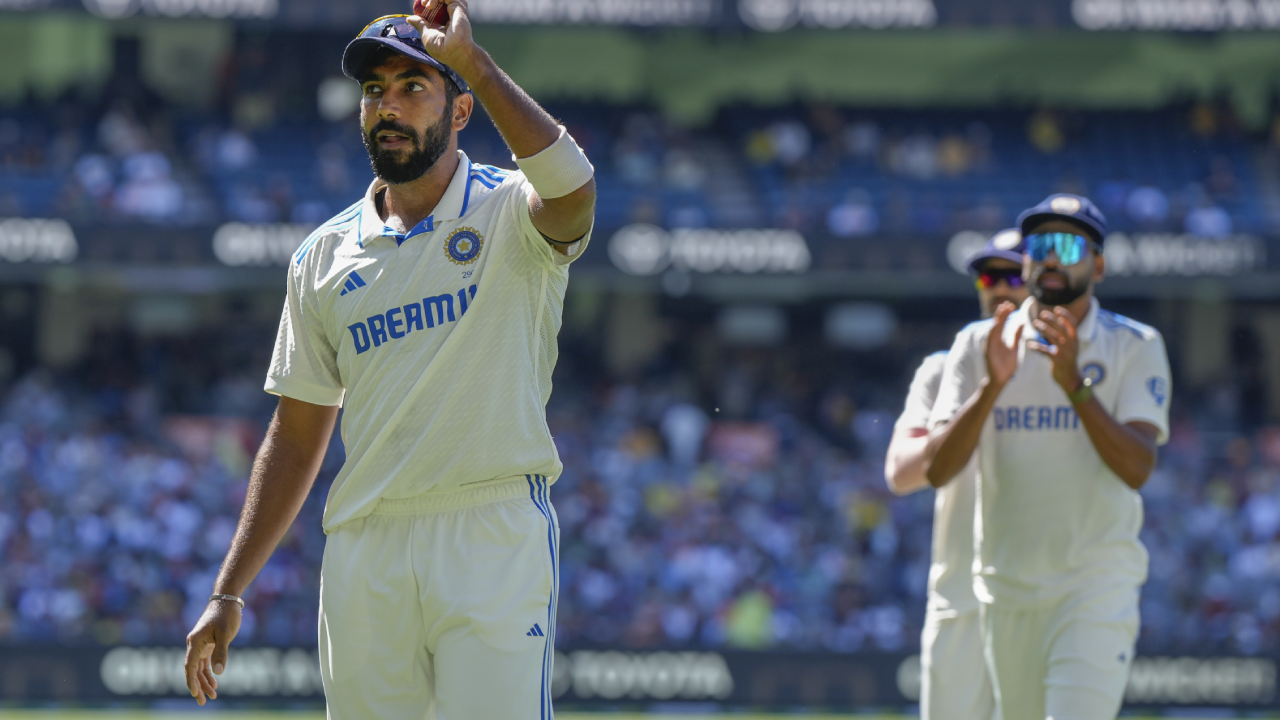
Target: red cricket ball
{"x": 438, "y": 17}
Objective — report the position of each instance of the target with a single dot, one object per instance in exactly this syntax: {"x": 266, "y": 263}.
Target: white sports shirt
{"x": 951, "y": 565}
{"x": 439, "y": 343}
{"x": 1054, "y": 518}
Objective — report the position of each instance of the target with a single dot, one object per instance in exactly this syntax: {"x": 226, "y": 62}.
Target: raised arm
{"x": 951, "y": 445}
{"x": 1129, "y": 449}
{"x": 283, "y": 473}
{"x": 523, "y": 124}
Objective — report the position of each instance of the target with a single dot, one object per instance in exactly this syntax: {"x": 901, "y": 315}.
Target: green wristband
{"x": 1083, "y": 393}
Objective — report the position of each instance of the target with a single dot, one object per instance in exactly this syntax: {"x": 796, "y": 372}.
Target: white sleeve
{"x": 530, "y": 236}
{"x": 960, "y": 376}
{"x": 923, "y": 393}
{"x": 1145, "y": 387}
{"x": 304, "y": 364}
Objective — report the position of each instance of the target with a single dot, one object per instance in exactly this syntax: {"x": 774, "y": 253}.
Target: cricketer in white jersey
{"x": 429, "y": 311}
{"x": 954, "y": 680}
{"x": 1065, "y": 404}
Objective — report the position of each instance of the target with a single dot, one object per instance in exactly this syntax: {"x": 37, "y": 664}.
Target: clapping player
{"x": 1065, "y": 404}
{"x": 954, "y": 685}
{"x": 428, "y": 310}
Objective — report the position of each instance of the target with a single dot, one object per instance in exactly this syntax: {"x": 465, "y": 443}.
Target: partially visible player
{"x": 1065, "y": 404}
{"x": 955, "y": 683}
{"x": 428, "y": 311}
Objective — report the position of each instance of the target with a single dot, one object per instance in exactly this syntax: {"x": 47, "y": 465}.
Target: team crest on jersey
{"x": 1095, "y": 373}
{"x": 463, "y": 245}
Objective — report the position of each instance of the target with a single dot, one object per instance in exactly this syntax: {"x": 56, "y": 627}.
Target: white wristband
{"x": 558, "y": 170}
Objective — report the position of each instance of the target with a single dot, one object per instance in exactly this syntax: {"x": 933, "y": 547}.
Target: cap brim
{"x": 358, "y": 52}
{"x": 986, "y": 255}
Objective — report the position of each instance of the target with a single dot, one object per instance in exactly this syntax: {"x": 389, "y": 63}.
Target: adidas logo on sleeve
{"x": 354, "y": 281}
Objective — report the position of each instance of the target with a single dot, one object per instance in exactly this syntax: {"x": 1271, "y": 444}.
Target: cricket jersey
{"x": 439, "y": 343}
{"x": 1053, "y": 517}
{"x": 951, "y": 565}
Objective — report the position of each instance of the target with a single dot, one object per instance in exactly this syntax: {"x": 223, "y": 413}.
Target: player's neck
{"x": 410, "y": 203}
{"x": 1078, "y": 308}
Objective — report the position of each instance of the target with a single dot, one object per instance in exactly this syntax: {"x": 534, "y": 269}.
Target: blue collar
{"x": 452, "y": 206}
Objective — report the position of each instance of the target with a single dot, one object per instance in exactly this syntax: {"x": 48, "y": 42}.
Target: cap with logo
{"x": 1005, "y": 245}
{"x": 394, "y": 32}
{"x": 1067, "y": 207}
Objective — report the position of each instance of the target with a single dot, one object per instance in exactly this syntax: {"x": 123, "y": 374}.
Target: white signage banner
{"x": 1187, "y": 15}
{"x": 35, "y": 240}
{"x": 239, "y": 244}
{"x": 648, "y": 250}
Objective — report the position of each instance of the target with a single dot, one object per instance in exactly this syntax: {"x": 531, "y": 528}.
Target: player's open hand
{"x": 1063, "y": 346}
{"x": 452, "y": 43}
{"x": 207, "y": 648}
{"x": 1002, "y": 360}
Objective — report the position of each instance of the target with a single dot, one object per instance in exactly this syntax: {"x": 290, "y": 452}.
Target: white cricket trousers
{"x": 1065, "y": 661}
{"x": 954, "y": 681}
{"x": 443, "y": 606}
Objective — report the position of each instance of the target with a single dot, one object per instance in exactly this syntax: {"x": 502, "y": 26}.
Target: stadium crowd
{"x": 748, "y": 512}
{"x": 818, "y": 169}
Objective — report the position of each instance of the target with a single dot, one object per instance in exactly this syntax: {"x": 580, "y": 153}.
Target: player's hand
{"x": 1063, "y": 347}
{"x": 1002, "y": 360}
{"x": 451, "y": 45}
{"x": 207, "y": 648}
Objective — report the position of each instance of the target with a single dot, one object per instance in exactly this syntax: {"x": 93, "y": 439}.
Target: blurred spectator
{"x": 1148, "y": 206}
{"x": 682, "y": 171}
{"x": 1222, "y": 183}
{"x": 989, "y": 215}
{"x": 955, "y": 155}
{"x": 855, "y": 217}
{"x": 1045, "y": 133}
{"x": 1208, "y": 220}
{"x": 862, "y": 140}
{"x": 916, "y": 156}
{"x": 1203, "y": 120}
{"x": 120, "y": 133}
{"x": 687, "y": 215}
{"x": 235, "y": 151}
{"x": 248, "y": 203}
{"x": 148, "y": 191}
{"x": 790, "y": 141}
{"x": 331, "y": 162}
{"x": 93, "y": 174}
{"x": 1112, "y": 196}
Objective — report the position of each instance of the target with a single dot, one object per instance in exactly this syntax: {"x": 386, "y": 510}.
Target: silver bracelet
{"x": 232, "y": 598}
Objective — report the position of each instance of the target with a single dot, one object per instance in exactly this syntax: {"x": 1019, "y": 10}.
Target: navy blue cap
{"x": 395, "y": 32}
{"x": 1006, "y": 245}
{"x": 1068, "y": 207}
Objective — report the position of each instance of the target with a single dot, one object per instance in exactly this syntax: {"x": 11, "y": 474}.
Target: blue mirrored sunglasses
{"x": 1069, "y": 247}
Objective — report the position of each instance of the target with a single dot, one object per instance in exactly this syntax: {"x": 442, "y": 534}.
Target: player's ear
{"x": 1099, "y": 266}
{"x": 463, "y": 105}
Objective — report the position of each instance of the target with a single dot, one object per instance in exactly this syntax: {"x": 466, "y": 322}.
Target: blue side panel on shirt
{"x": 1112, "y": 321}
{"x": 337, "y": 223}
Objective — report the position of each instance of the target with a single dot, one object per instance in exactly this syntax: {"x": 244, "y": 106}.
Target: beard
{"x": 425, "y": 149}
{"x": 1065, "y": 295}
